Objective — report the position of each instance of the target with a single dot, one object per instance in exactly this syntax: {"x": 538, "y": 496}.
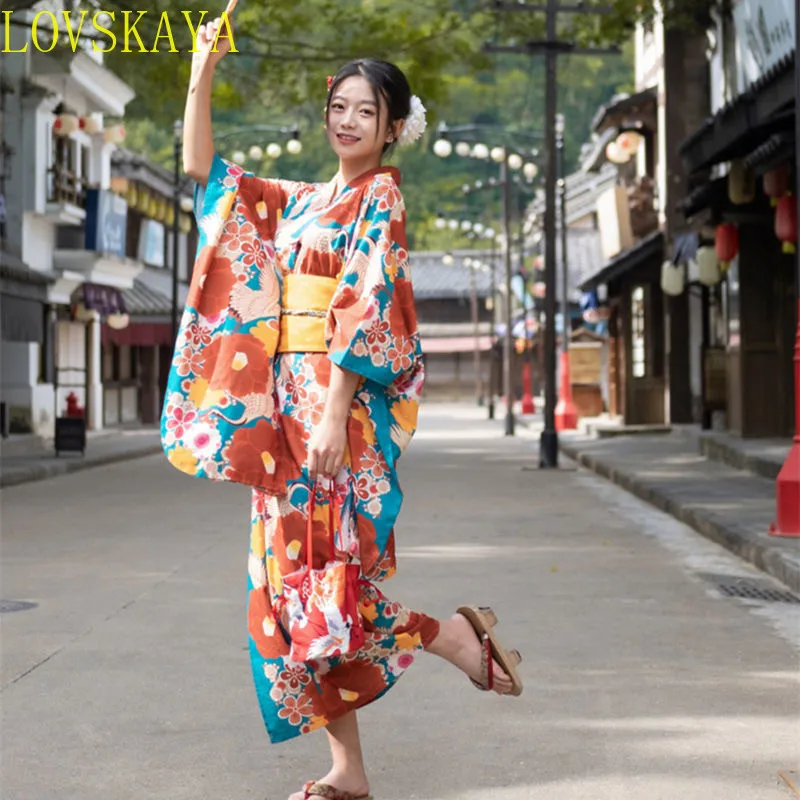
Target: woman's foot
{"x": 352, "y": 784}
{"x": 458, "y": 643}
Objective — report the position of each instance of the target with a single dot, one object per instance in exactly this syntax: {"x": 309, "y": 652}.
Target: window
{"x": 638, "y": 343}
{"x": 64, "y": 183}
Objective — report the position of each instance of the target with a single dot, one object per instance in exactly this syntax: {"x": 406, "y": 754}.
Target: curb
{"x": 16, "y": 476}
{"x": 768, "y": 559}
{"x": 723, "y": 453}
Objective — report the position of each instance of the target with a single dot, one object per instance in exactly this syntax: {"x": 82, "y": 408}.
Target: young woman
{"x": 298, "y": 368}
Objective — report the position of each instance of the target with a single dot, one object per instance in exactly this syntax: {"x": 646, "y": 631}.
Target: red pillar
{"x": 787, "y": 486}
{"x": 566, "y": 410}
{"x": 527, "y": 406}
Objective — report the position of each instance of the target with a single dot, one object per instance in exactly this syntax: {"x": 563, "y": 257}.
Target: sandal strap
{"x": 486, "y": 683}
{"x": 324, "y": 790}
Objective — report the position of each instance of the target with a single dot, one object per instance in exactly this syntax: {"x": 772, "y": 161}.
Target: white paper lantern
{"x": 256, "y": 153}
{"x": 294, "y": 147}
{"x": 530, "y": 170}
{"x": 515, "y": 161}
{"x": 118, "y": 321}
{"x": 498, "y": 155}
{"x": 615, "y": 154}
{"x": 462, "y": 149}
{"x": 115, "y": 134}
{"x": 65, "y": 124}
{"x": 91, "y": 124}
{"x": 628, "y": 142}
{"x": 741, "y": 184}
{"x": 442, "y": 148}
{"x": 238, "y": 156}
{"x": 274, "y": 150}
{"x": 708, "y": 271}
{"x": 480, "y": 151}
{"x": 673, "y": 279}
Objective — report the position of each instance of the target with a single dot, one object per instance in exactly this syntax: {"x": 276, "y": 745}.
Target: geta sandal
{"x": 483, "y": 620}
{"x": 314, "y": 789}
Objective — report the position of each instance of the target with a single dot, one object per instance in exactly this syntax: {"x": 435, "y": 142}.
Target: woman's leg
{"x": 347, "y": 773}
{"x": 458, "y": 644}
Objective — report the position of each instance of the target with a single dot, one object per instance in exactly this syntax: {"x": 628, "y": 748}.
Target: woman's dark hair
{"x": 387, "y": 81}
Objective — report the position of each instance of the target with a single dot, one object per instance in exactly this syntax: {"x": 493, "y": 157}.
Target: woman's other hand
{"x": 326, "y": 448}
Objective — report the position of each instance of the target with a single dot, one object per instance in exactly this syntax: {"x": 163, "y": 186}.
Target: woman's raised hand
{"x": 210, "y": 47}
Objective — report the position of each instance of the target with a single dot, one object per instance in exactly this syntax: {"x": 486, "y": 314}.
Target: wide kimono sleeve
{"x": 372, "y": 322}
{"x": 219, "y": 419}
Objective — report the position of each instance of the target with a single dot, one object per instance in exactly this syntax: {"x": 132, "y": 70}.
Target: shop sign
{"x": 106, "y": 222}
{"x": 764, "y": 35}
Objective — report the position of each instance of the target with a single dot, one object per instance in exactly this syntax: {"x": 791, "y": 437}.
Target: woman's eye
{"x": 337, "y": 106}
{"x": 367, "y": 112}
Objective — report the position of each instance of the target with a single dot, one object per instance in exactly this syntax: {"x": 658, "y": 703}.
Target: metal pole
{"x": 473, "y": 300}
{"x": 176, "y": 204}
{"x": 508, "y": 344}
{"x": 491, "y": 332}
{"x": 562, "y": 196}
{"x": 548, "y": 445}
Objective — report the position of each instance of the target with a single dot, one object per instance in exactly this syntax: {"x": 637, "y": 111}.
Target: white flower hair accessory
{"x": 416, "y": 123}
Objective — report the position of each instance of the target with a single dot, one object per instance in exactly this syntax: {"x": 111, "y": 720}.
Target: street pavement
{"x": 129, "y": 678}
{"x": 733, "y": 507}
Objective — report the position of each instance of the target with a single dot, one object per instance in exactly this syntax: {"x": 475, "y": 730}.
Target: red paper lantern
{"x": 727, "y": 244}
{"x": 786, "y": 222}
{"x": 776, "y": 183}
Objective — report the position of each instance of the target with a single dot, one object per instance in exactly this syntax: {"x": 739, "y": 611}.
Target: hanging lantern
{"x": 741, "y": 184}
{"x": 170, "y": 215}
{"x": 65, "y": 124}
{"x": 131, "y": 196}
{"x": 615, "y": 154}
{"x": 708, "y": 272}
{"x": 628, "y": 142}
{"x": 727, "y": 244}
{"x": 786, "y": 222}
{"x": 118, "y": 321}
{"x": 115, "y": 134}
{"x": 185, "y": 223}
{"x": 776, "y": 183}
{"x": 673, "y": 279}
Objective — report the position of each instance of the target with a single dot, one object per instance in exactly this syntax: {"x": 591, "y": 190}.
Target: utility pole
{"x": 177, "y": 131}
{"x": 552, "y": 48}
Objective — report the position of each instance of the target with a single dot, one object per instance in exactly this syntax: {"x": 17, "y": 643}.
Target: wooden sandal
{"x": 314, "y": 789}
{"x": 483, "y": 620}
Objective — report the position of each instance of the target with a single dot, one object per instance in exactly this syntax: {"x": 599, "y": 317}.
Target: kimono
{"x": 276, "y": 259}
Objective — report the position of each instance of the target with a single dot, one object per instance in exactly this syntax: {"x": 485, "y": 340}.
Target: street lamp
{"x": 508, "y": 160}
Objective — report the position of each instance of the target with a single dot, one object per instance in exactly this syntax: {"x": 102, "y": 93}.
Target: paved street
{"x": 130, "y": 676}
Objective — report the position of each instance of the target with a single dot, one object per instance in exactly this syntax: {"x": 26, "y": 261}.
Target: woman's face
{"x": 352, "y": 123}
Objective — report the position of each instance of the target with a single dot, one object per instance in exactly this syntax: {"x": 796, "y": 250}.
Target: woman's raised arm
{"x": 198, "y": 139}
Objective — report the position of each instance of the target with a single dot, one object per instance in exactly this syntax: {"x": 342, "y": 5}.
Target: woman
{"x": 297, "y": 367}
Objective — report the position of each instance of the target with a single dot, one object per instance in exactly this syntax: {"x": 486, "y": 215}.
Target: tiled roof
{"x": 434, "y": 280}
{"x": 584, "y": 258}
{"x": 144, "y": 301}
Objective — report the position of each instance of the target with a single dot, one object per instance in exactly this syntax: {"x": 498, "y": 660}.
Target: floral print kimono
{"x": 239, "y": 407}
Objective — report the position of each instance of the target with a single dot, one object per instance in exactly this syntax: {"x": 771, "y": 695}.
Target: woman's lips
{"x": 345, "y": 139}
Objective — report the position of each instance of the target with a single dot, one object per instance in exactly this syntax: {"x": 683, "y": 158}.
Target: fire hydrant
{"x": 73, "y": 409}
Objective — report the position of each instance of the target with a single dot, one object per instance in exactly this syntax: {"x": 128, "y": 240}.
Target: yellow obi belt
{"x": 304, "y": 307}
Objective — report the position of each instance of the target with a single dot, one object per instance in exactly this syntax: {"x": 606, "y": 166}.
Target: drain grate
{"x": 751, "y": 589}
{"x": 7, "y": 606}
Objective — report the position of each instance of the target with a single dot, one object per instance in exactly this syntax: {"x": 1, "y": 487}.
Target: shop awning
{"x": 745, "y": 122}
{"x": 104, "y": 300}
{"x": 625, "y": 110}
{"x": 642, "y": 252}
